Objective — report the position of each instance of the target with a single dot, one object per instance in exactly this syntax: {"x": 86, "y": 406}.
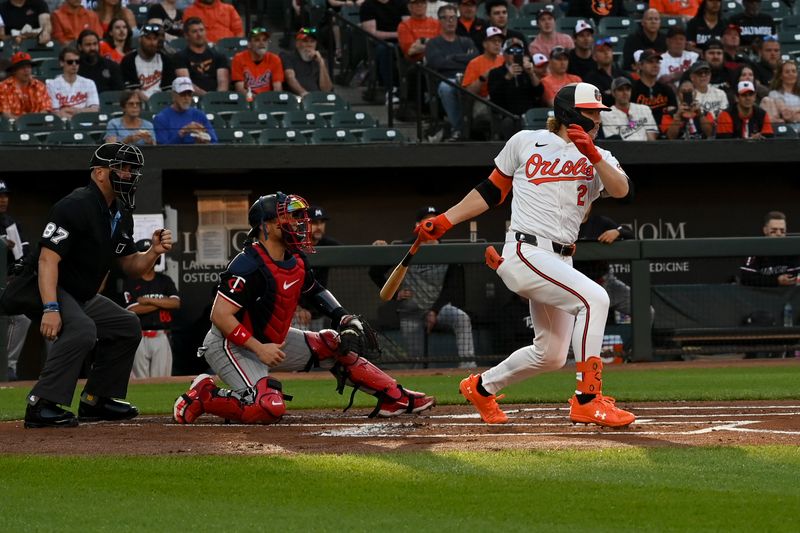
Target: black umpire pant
{"x": 100, "y": 321}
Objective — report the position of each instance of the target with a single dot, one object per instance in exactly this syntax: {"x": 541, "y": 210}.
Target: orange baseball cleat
{"x": 601, "y": 411}
{"x": 486, "y": 405}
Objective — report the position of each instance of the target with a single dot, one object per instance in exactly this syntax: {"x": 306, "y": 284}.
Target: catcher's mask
{"x": 291, "y": 213}
{"x": 571, "y": 98}
{"x": 125, "y": 162}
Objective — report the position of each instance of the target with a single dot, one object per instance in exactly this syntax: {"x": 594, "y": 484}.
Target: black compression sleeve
{"x": 329, "y": 306}
{"x": 490, "y": 192}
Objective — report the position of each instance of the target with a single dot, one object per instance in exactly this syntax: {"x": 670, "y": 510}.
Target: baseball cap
{"x": 181, "y": 84}
{"x": 258, "y": 30}
{"x": 20, "y": 59}
{"x": 582, "y": 25}
{"x": 742, "y": 88}
{"x": 149, "y": 29}
{"x": 714, "y": 43}
{"x": 733, "y": 27}
{"x": 558, "y": 51}
{"x": 546, "y": 10}
{"x": 318, "y": 213}
{"x": 622, "y": 81}
{"x": 492, "y": 31}
{"x": 581, "y": 96}
{"x": 648, "y": 55}
{"x": 306, "y": 33}
{"x": 540, "y": 60}
{"x": 513, "y": 46}
{"x": 637, "y": 55}
{"x": 425, "y": 212}
{"x": 604, "y": 41}
{"x": 698, "y": 66}
{"x": 473, "y": 2}
{"x": 676, "y": 30}
{"x": 4, "y": 187}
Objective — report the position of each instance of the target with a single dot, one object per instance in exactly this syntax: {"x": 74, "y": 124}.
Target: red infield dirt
{"x": 445, "y": 428}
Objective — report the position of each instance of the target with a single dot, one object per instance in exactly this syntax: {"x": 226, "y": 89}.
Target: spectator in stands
{"x": 548, "y": 38}
{"x": 514, "y": 86}
{"x": 745, "y": 120}
{"x": 221, "y": 20}
{"x": 647, "y": 90}
{"x": 469, "y": 24}
{"x": 676, "y": 60}
{"x": 715, "y": 57}
{"x": 182, "y": 123}
{"x": 17, "y": 251}
{"x": 71, "y": 19}
{"x": 336, "y": 6}
{"x": 626, "y": 120}
{"x": 256, "y": 70}
{"x": 711, "y": 99}
{"x": 596, "y": 10}
{"x": 686, "y": 9}
{"x": 171, "y": 18}
{"x": 689, "y": 121}
{"x": 540, "y": 65}
{"x": 476, "y": 74}
{"x": 785, "y": 92}
{"x": 130, "y": 128}
{"x": 431, "y": 295}
{"x": 208, "y": 68}
{"x": 108, "y": 10}
{"x": 748, "y": 74}
{"x": 415, "y": 31}
{"x": 581, "y": 58}
{"x": 731, "y": 47}
{"x": 753, "y": 23}
{"x": 646, "y": 36}
{"x": 497, "y": 11}
{"x": 26, "y": 19}
{"x": 305, "y": 69}
{"x": 381, "y": 19}
{"x": 117, "y": 40}
{"x": 448, "y": 54}
{"x": 557, "y": 75}
{"x": 769, "y": 57}
{"x": 20, "y": 92}
{"x": 70, "y": 93}
{"x": 607, "y": 70}
{"x": 148, "y": 69}
{"x": 771, "y": 271}
{"x": 706, "y": 25}
{"x": 105, "y": 73}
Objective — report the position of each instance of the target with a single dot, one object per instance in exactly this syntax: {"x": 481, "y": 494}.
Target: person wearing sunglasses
{"x": 69, "y": 93}
{"x": 256, "y": 70}
{"x": 148, "y": 68}
{"x": 221, "y": 20}
{"x": 72, "y": 18}
{"x": 753, "y": 22}
{"x": 304, "y": 68}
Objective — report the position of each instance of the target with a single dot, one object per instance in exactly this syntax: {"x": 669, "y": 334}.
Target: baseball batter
{"x": 251, "y": 334}
{"x": 556, "y": 174}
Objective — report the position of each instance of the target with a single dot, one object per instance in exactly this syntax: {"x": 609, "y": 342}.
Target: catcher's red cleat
{"x": 486, "y": 405}
{"x": 601, "y": 411}
{"x": 411, "y": 402}
{"x": 189, "y": 406}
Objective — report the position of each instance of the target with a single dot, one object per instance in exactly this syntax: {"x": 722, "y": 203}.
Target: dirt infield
{"x": 444, "y": 428}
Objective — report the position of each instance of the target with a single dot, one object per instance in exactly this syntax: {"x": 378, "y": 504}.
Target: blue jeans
{"x": 451, "y": 102}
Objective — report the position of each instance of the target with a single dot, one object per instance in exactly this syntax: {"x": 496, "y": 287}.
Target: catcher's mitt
{"x": 356, "y": 335}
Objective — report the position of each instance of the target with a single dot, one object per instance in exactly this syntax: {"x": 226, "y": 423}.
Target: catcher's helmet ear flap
{"x": 263, "y": 209}
{"x": 573, "y": 97}
{"x": 125, "y": 162}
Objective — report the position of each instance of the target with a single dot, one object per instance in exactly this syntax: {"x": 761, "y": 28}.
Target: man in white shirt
{"x": 711, "y": 99}
{"x": 676, "y": 60}
{"x": 71, "y": 94}
{"x": 627, "y": 121}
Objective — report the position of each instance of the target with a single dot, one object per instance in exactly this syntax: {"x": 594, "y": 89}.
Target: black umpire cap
{"x": 318, "y": 213}
{"x": 425, "y": 212}
{"x": 4, "y": 189}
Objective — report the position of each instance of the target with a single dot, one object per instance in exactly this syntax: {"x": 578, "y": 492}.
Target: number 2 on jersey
{"x": 51, "y": 229}
{"x": 582, "y": 191}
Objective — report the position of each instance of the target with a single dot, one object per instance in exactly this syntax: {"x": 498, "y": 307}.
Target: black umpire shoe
{"x": 104, "y": 409}
{"x": 46, "y": 414}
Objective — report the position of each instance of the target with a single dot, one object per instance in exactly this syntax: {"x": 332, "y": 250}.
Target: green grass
{"x": 651, "y": 489}
{"x": 656, "y": 384}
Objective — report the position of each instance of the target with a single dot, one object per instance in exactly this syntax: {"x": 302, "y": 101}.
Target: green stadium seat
{"x": 352, "y": 120}
{"x": 89, "y": 121}
{"x": 332, "y": 136}
{"x": 635, "y": 8}
{"x": 319, "y": 101}
{"x": 177, "y": 44}
{"x": 159, "y": 101}
{"x": 567, "y": 24}
{"x": 790, "y": 40}
{"x": 230, "y": 46}
{"x": 140, "y": 13}
{"x": 217, "y": 120}
{"x": 382, "y": 135}
{"x": 776, "y": 8}
{"x": 731, "y": 7}
{"x": 39, "y": 123}
{"x": 48, "y": 69}
{"x": 235, "y": 136}
{"x": 109, "y": 102}
{"x": 668, "y": 21}
{"x": 528, "y": 25}
{"x": 70, "y": 137}
{"x": 275, "y": 102}
{"x": 5, "y": 124}
{"x": 253, "y": 120}
{"x": 530, "y": 9}
{"x": 536, "y": 118}
{"x": 51, "y": 49}
{"x": 791, "y": 23}
{"x": 281, "y": 136}
{"x": 223, "y": 102}
{"x": 304, "y": 120}
{"x": 783, "y": 131}
{"x": 18, "y": 137}
{"x": 609, "y": 26}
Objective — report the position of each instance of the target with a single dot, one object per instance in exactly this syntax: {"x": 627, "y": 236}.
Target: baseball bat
{"x": 399, "y": 273}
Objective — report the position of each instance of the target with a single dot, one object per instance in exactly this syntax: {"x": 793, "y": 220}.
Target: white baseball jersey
{"x": 671, "y": 65}
{"x": 712, "y": 101}
{"x": 553, "y": 183}
{"x": 631, "y": 126}
{"x": 150, "y": 74}
{"x": 79, "y": 94}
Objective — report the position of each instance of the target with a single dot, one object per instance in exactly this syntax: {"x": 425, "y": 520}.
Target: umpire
{"x": 86, "y": 230}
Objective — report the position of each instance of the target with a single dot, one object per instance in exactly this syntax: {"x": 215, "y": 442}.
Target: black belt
{"x": 561, "y": 249}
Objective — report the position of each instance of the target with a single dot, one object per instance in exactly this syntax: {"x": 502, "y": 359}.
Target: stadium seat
{"x": 332, "y": 136}
{"x": 223, "y": 102}
{"x": 217, "y": 120}
{"x": 109, "y": 102}
{"x": 775, "y": 8}
{"x": 790, "y": 40}
{"x": 668, "y": 21}
{"x": 159, "y": 101}
{"x": 536, "y": 118}
{"x": 69, "y": 137}
{"x": 5, "y": 125}
{"x": 89, "y": 121}
{"x": 615, "y": 26}
{"x": 567, "y": 24}
{"x": 39, "y": 123}
{"x": 382, "y": 135}
{"x": 791, "y": 23}
{"x": 783, "y": 131}
{"x": 731, "y": 7}
{"x": 352, "y": 120}
{"x": 635, "y": 8}
{"x": 527, "y": 25}
{"x": 304, "y": 120}
{"x": 281, "y": 136}
{"x": 48, "y": 69}
{"x": 324, "y": 103}
{"x": 253, "y": 120}
{"x": 18, "y": 137}
{"x": 272, "y": 101}
{"x": 235, "y": 136}
{"x": 177, "y": 44}
{"x": 51, "y": 49}
{"x": 140, "y": 12}
{"x": 530, "y": 9}
{"x": 230, "y": 46}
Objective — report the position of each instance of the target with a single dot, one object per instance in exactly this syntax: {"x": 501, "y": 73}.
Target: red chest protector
{"x": 281, "y": 294}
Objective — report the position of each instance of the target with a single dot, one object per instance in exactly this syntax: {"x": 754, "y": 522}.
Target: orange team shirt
{"x": 68, "y": 24}
{"x": 32, "y": 98}
{"x": 259, "y": 77}
{"x": 686, "y": 8}
{"x": 221, "y": 20}
{"x": 412, "y": 29}
{"x": 476, "y": 68}
{"x": 667, "y": 120}
{"x": 109, "y": 52}
{"x": 725, "y": 123}
{"x": 553, "y": 83}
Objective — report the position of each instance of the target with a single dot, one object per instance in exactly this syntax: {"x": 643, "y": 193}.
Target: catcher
{"x": 251, "y": 334}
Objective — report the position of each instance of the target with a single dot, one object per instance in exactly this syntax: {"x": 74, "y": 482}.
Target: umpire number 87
{"x": 55, "y": 233}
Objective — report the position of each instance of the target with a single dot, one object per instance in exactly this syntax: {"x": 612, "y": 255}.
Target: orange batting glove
{"x": 584, "y": 143}
{"x": 433, "y": 228}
